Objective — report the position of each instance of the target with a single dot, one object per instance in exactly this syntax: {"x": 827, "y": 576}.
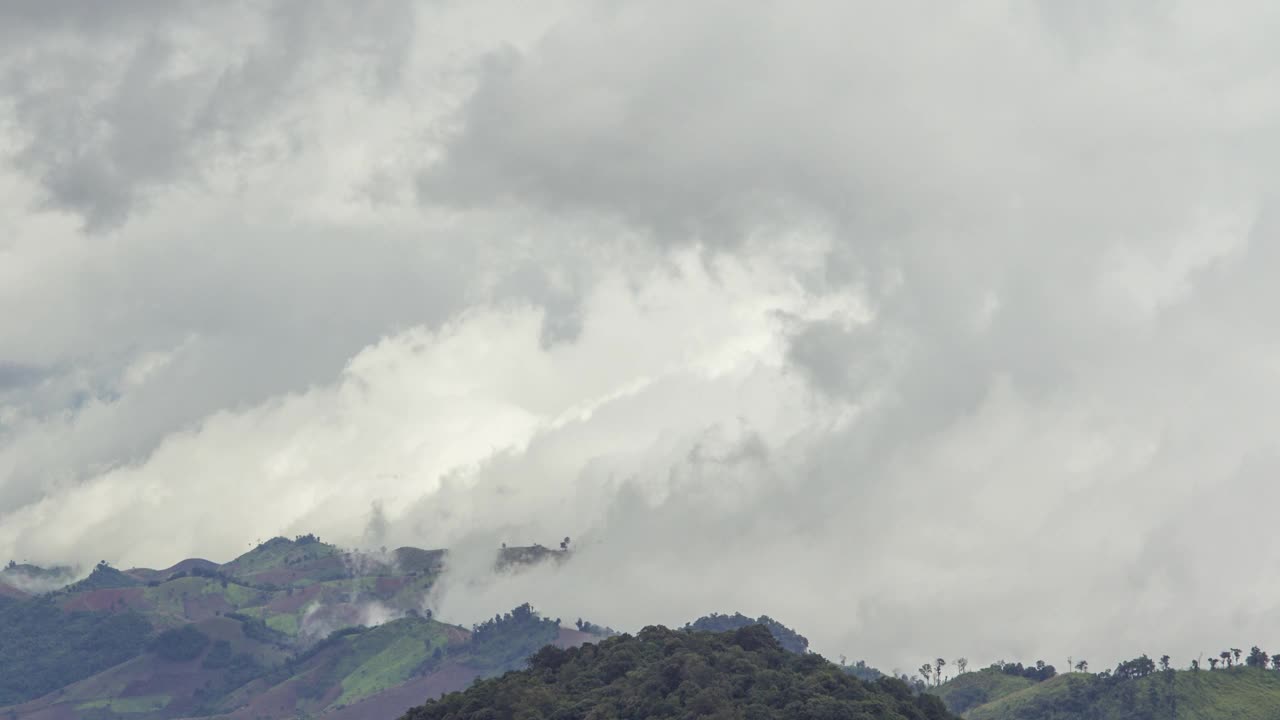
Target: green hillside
{"x": 1240, "y": 693}
{"x": 971, "y": 689}
{"x": 349, "y": 666}
{"x": 663, "y": 673}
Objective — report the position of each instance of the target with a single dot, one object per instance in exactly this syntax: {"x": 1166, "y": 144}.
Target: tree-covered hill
{"x": 663, "y": 673}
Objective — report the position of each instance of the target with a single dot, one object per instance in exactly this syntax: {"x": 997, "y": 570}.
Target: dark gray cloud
{"x": 168, "y": 90}
{"x": 941, "y": 331}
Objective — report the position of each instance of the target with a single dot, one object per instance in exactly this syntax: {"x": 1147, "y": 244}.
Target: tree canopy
{"x": 663, "y": 673}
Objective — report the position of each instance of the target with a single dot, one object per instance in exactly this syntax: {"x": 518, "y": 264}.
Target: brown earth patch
{"x": 203, "y": 607}
{"x": 106, "y": 599}
{"x": 456, "y": 635}
{"x": 285, "y": 603}
{"x": 385, "y": 587}
{"x": 10, "y": 591}
{"x": 569, "y": 638}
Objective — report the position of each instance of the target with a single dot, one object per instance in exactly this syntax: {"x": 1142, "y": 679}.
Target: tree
{"x": 1082, "y": 666}
{"x": 937, "y": 680}
{"x": 1275, "y": 661}
{"x": 926, "y": 672}
{"x": 1226, "y": 657}
{"x": 1235, "y": 653}
{"x": 1195, "y": 666}
{"x": 1257, "y": 658}
{"x": 962, "y": 664}
{"x": 564, "y": 544}
{"x": 1164, "y": 662}
{"x": 1213, "y": 663}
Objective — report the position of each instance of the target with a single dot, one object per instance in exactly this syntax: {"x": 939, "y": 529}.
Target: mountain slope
{"x": 1240, "y": 693}
{"x": 971, "y": 689}
{"x": 43, "y": 648}
{"x": 663, "y": 673}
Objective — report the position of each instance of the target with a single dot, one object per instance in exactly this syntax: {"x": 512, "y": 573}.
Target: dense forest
{"x": 43, "y": 648}
{"x": 663, "y": 673}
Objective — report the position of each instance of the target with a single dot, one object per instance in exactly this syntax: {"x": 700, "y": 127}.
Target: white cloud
{"x": 927, "y": 333}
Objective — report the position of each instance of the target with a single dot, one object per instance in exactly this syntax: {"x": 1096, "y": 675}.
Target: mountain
{"x": 291, "y": 627}
{"x": 1238, "y": 693}
{"x": 663, "y": 673}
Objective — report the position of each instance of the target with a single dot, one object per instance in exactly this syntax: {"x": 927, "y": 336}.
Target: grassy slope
{"x": 979, "y": 687}
{"x": 1237, "y": 694}
{"x": 347, "y": 669}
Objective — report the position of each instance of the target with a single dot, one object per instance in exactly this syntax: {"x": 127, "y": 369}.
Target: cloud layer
{"x": 928, "y": 333}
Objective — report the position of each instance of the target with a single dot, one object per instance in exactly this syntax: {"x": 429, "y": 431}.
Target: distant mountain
{"x": 291, "y": 628}
{"x": 663, "y": 673}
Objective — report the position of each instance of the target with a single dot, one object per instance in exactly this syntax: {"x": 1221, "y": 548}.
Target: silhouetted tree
{"x": 1164, "y": 662}
{"x": 937, "y": 680}
{"x": 1195, "y": 666}
{"x": 1235, "y": 653}
{"x": 962, "y": 664}
{"x": 1213, "y": 663}
{"x": 1257, "y": 658}
{"x": 1082, "y": 666}
{"x": 1226, "y": 657}
{"x": 1275, "y": 661}
{"x": 926, "y": 672}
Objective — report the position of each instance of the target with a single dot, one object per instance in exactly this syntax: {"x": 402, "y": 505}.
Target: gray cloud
{"x": 932, "y": 334}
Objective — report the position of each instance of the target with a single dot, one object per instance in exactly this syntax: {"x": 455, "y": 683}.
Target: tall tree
{"x": 1213, "y": 663}
{"x": 937, "y": 680}
{"x": 1257, "y": 658}
{"x": 1235, "y": 653}
{"x": 1226, "y": 657}
{"x": 1164, "y": 662}
{"x": 926, "y": 671}
{"x": 961, "y": 664}
{"x": 1082, "y": 666}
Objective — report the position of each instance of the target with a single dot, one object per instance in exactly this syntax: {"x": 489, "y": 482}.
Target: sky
{"x": 927, "y": 329}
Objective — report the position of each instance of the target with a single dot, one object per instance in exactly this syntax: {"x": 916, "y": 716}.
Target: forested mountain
{"x": 663, "y": 673}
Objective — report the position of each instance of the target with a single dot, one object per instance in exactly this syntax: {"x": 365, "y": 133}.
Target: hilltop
{"x": 663, "y": 673}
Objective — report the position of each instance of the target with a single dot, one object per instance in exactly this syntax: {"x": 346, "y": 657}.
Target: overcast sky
{"x": 930, "y": 329}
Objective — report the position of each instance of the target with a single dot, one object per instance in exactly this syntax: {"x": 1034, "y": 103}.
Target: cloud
{"x": 927, "y": 333}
